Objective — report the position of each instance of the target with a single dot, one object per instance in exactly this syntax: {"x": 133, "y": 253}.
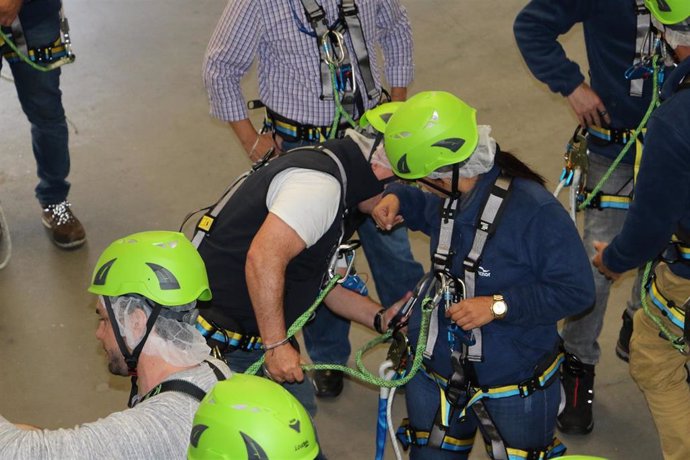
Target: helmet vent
{"x": 402, "y": 165}
{"x": 167, "y": 245}
{"x": 295, "y": 425}
{"x": 402, "y": 135}
{"x": 433, "y": 121}
{"x": 166, "y": 279}
{"x": 453, "y": 144}
{"x": 663, "y": 6}
{"x": 197, "y": 431}
{"x": 102, "y": 273}
{"x": 254, "y": 450}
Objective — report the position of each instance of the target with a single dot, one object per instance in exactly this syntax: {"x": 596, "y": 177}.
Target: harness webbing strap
{"x": 319, "y": 22}
{"x": 409, "y": 436}
{"x": 485, "y": 228}
{"x": 206, "y": 222}
{"x": 183, "y": 386}
{"x": 489, "y": 430}
{"x": 349, "y": 12}
{"x": 179, "y": 386}
{"x": 668, "y": 308}
{"x": 643, "y": 23}
{"x": 227, "y": 337}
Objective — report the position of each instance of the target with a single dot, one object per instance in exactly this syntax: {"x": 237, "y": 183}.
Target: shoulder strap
{"x": 203, "y": 228}
{"x": 349, "y": 13}
{"x": 486, "y": 226}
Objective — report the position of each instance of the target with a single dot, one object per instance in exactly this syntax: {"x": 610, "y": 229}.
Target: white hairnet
{"x": 481, "y": 160}
{"x": 676, "y": 34}
{"x": 177, "y": 342}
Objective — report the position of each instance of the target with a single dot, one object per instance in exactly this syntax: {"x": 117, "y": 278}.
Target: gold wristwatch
{"x": 499, "y": 308}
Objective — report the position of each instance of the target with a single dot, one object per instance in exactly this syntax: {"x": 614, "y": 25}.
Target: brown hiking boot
{"x": 65, "y": 229}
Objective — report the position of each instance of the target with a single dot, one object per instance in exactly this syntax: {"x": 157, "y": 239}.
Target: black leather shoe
{"x": 328, "y": 383}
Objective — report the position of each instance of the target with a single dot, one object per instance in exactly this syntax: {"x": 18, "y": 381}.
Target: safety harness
{"x": 644, "y": 66}
{"x": 228, "y": 340}
{"x": 339, "y": 72}
{"x": 467, "y": 346}
{"x": 336, "y": 64}
{"x": 42, "y": 58}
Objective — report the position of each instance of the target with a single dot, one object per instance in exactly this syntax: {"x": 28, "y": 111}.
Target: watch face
{"x": 499, "y": 308}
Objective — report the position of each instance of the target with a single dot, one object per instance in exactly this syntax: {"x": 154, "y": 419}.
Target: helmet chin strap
{"x": 132, "y": 358}
{"x": 454, "y": 192}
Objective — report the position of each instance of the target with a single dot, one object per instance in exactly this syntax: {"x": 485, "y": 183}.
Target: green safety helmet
{"x": 669, "y": 11}
{"x": 162, "y": 266}
{"x": 250, "y": 417}
{"x": 430, "y": 130}
{"x": 378, "y": 117}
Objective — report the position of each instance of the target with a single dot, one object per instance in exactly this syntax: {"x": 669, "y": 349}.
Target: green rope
{"x": 299, "y": 322}
{"x": 27, "y": 60}
{"x": 676, "y": 340}
{"x": 633, "y": 138}
{"x": 361, "y": 373}
{"x": 340, "y": 112}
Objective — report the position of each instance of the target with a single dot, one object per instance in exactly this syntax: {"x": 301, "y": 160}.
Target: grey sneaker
{"x": 65, "y": 229}
{"x": 5, "y": 242}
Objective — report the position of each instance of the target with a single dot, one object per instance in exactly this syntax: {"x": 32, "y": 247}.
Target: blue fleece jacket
{"x": 661, "y": 205}
{"x": 610, "y": 30}
{"x": 535, "y": 260}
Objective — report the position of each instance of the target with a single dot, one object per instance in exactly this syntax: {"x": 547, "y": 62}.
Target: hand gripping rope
{"x": 393, "y": 372}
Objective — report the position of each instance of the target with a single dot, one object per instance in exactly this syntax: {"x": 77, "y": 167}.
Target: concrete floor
{"x": 145, "y": 152}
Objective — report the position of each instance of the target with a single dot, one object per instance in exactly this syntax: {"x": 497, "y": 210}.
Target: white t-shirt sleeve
{"x": 306, "y": 200}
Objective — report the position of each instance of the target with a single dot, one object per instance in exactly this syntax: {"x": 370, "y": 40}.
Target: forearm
{"x": 398, "y": 94}
{"x": 352, "y": 306}
{"x": 537, "y": 28}
{"x": 266, "y": 285}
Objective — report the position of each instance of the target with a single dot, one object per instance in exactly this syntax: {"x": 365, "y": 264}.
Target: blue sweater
{"x": 662, "y": 195}
{"x": 535, "y": 260}
{"x": 610, "y": 30}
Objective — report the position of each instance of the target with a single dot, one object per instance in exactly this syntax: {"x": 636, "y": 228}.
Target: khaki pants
{"x": 659, "y": 369}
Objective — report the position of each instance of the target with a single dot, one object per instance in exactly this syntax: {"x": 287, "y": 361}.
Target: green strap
{"x": 633, "y": 138}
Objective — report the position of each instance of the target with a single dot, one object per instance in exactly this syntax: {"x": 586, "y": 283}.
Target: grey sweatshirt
{"x": 157, "y": 428}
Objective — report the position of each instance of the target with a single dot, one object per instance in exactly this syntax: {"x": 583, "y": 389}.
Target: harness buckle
{"x": 529, "y": 386}
{"x": 471, "y": 265}
{"x": 349, "y": 9}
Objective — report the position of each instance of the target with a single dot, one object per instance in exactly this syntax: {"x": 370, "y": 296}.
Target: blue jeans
{"x": 394, "y": 271}
{"x": 524, "y": 423}
{"x": 580, "y": 333}
{"x": 239, "y": 361}
{"x": 41, "y": 100}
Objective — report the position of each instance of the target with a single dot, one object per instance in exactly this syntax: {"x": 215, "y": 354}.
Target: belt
{"x": 293, "y": 131}
{"x": 603, "y": 201}
{"x": 42, "y": 55}
{"x": 668, "y": 308}
{"x": 524, "y": 388}
{"x": 615, "y": 136}
{"x": 233, "y": 340}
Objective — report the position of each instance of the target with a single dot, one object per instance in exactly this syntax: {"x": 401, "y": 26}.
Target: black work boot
{"x": 578, "y": 383}
{"x": 623, "y": 344}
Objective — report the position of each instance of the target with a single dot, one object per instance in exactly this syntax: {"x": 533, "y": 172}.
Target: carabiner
{"x": 333, "y": 49}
